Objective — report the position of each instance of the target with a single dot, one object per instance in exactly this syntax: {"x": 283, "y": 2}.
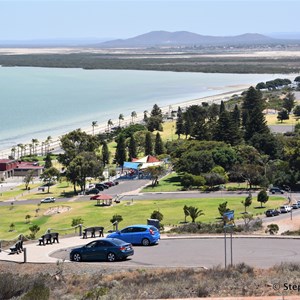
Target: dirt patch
{"x": 57, "y": 210}
{"x": 286, "y": 224}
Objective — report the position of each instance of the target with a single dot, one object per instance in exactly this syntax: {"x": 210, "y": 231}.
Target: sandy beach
{"x": 101, "y": 127}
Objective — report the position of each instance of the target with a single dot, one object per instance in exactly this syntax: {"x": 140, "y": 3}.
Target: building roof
{"x": 28, "y": 165}
{"x": 146, "y": 159}
{"x": 6, "y": 160}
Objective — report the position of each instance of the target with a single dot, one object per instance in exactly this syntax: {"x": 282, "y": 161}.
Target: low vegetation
{"x": 64, "y": 282}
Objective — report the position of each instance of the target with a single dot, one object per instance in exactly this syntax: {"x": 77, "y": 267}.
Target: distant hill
{"x": 185, "y": 38}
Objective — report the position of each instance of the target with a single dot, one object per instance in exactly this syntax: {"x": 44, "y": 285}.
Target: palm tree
{"x": 13, "y": 151}
{"x": 24, "y": 148}
{"x": 19, "y": 148}
{"x": 34, "y": 143}
{"x": 48, "y": 142}
{"x": 43, "y": 148}
{"x": 194, "y": 213}
{"x": 145, "y": 119}
{"x": 121, "y": 117}
{"x": 30, "y": 149}
{"x": 94, "y": 124}
{"x": 109, "y": 124}
{"x": 133, "y": 116}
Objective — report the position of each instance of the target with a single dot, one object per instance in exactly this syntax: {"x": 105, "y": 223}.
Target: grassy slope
{"x": 132, "y": 213}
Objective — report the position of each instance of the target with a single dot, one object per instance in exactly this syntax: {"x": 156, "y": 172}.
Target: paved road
{"x": 209, "y": 252}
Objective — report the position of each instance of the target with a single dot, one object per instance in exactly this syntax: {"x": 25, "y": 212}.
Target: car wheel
{"x": 77, "y": 257}
{"x": 145, "y": 242}
{"x": 111, "y": 257}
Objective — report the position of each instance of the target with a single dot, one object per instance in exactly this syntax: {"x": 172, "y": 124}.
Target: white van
{"x": 285, "y": 209}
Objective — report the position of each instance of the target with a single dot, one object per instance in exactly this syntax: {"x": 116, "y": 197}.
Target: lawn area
{"x": 169, "y": 183}
{"x": 168, "y": 133}
{"x": 132, "y": 212}
{"x": 272, "y": 120}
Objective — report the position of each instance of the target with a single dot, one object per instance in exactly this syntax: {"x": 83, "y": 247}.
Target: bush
{"x": 272, "y": 229}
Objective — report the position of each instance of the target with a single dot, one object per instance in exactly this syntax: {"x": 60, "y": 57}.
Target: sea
{"x": 39, "y": 102}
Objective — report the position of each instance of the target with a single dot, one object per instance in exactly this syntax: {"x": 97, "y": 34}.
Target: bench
{"x": 48, "y": 238}
{"x": 93, "y": 230}
{"x": 17, "y": 247}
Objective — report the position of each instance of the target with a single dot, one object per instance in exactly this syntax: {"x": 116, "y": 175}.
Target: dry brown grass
{"x": 93, "y": 281}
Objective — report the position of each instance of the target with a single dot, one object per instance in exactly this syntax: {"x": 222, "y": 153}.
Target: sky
{"x": 74, "y": 19}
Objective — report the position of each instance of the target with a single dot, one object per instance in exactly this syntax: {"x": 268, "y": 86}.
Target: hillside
{"x": 185, "y": 38}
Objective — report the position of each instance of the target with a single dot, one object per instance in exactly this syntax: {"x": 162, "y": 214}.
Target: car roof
{"x": 140, "y": 225}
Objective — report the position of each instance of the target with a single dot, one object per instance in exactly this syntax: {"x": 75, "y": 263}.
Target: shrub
{"x": 272, "y": 229}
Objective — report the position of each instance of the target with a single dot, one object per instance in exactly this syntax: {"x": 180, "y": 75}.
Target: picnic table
{"x": 48, "y": 238}
{"x": 93, "y": 231}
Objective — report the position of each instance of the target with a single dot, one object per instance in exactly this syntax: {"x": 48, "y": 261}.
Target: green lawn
{"x": 132, "y": 213}
{"x": 169, "y": 183}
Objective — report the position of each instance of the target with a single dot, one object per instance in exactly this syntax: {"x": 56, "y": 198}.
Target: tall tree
{"x": 253, "y": 118}
{"x": 94, "y": 124}
{"x": 155, "y": 120}
{"x": 120, "y": 155}
{"x": 28, "y": 177}
{"x": 74, "y": 143}
{"x": 145, "y": 118}
{"x": 121, "y": 118}
{"x": 247, "y": 202}
{"x": 85, "y": 164}
{"x": 222, "y": 130}
{"x": 105, "y": 154}
{"x": 109, "y": 124}
{"x": 148, "y": 144}
{"x": 158, "y": 146}
{"x": 133, "y": 116}
{"x": 262, "y": 197}
{"x": 289, "y": 101}
{"x": 282, "y": 115}
{"x": 49, "y": 176}
{"x": 179, "y": 123}
{"x": 188, "y": 124}
{"x": 48, "y": 161}
{"x": 132, "y": 149}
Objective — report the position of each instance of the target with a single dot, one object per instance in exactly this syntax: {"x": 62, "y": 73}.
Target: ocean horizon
{"x": 41, "y": 102}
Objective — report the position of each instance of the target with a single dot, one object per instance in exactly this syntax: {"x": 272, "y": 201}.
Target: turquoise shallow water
{"x": 38, "y": 102}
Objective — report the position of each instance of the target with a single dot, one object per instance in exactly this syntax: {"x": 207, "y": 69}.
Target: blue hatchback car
{"x": 138, "y": 234}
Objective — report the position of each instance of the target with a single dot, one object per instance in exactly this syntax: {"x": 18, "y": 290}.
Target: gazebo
{"x": 103, "y": 200}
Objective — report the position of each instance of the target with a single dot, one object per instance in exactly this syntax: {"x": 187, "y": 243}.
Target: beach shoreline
{"x": 102, "y": 127}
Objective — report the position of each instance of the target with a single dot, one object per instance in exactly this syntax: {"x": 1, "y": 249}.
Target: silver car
{"x": 48, "y": 200}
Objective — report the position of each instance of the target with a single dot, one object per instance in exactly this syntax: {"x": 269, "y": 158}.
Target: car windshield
{"x": 118, "y": 242}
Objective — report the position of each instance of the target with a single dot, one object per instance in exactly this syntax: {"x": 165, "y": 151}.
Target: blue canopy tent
{"x": 132, "y": 165}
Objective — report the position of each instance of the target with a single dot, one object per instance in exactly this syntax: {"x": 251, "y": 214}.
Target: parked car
{"x": 92, "y": 191}
{"x": 109, "y": 183}
{"x": 295, "y": 205}
{"x": 285, "y": 208}
{"x": 48, "y": 200}
{"x": 101, "y": 186}
{"x": 272, "y": 212}
{"x": 138, "y": 234}
{"x": 276, "y": 190}
{"x": 102, "y": 249}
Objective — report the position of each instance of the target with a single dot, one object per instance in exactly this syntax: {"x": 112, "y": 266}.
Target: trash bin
{"x": 153, "y": 222}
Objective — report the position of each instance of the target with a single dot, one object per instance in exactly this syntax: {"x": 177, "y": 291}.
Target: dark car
{"x": 276, "y": 190}
{"x": 138, "y": 234}
{"x": 101, "y": 186}
{"x": 272, "y": 212}
{"x": 92, "y": 191}
{"x": 102, "y": 249}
